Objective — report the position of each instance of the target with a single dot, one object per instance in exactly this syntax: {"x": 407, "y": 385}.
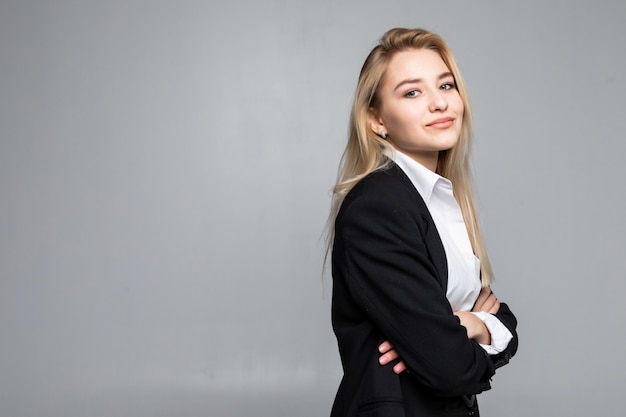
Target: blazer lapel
{"x": 431, "y": 235}
{"x": 436, "y": 251}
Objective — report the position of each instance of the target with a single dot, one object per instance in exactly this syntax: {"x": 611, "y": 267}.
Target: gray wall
{"x": 165, "y": 169}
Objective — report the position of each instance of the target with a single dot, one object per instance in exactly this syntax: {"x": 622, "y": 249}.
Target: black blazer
{"x": 389, "y": 282}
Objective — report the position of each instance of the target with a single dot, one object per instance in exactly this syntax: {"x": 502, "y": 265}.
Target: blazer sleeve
{"x": 507, "y": 318}
{"x": 391, "y": 275}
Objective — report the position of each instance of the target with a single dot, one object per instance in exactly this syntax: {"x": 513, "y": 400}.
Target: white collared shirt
{"x": 463, "y": 266}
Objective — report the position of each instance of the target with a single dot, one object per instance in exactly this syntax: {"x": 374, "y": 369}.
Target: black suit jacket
{"x": 389, "y": 282}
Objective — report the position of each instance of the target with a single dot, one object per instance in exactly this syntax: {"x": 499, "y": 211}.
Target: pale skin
{"x": 420, "y": 113}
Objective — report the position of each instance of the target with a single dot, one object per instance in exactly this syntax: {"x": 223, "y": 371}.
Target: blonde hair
{"x": 365, "y": 151}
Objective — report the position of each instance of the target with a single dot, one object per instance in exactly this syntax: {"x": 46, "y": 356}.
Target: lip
{"x": 441, "y": 123}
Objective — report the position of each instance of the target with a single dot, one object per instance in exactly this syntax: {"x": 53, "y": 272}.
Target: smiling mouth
{"x": 442, "y": 123}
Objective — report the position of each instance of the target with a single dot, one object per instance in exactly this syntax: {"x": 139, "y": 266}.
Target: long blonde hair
{"x": 365, "y": 151}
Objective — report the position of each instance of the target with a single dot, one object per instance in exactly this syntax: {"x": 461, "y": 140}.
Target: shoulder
{"x": 384, "y": 211}
{"x": 388, "y": 180}
{"x": 385, "y": 196}
{"x": 388, "y": 187}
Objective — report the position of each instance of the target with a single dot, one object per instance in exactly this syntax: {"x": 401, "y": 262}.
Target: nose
{"x": 437, "y": 102}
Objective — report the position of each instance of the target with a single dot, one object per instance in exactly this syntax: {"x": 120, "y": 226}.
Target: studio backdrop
{"x": 165, "y": 176}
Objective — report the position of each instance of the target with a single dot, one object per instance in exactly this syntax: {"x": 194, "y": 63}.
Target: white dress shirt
{"x": 463, "y": 266}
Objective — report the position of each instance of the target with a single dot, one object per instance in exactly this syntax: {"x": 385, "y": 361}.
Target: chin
{"x": 445, "y": 145}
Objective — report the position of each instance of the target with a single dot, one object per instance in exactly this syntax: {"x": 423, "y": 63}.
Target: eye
{"x": 412, "y": 93}
{"x": 447, "y": 86}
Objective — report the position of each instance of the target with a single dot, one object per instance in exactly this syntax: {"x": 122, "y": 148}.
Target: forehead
{"x": 423, "y": 64}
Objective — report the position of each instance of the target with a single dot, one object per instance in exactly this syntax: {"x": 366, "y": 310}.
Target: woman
{"x": 418, "y": 329}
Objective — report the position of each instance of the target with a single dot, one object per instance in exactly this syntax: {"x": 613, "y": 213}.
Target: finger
{"x": 482, "y": 296}
{"x": 388, "y": 357}
{"x": 495, "y": 308}
{"x": 489, "y": 302}
{"x": 485, "y": 292}
{"x": 399, "y": 367}
{"x": 385, "y": 347}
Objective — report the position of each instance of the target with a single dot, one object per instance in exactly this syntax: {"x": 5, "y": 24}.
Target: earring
{"x": 383, "y": 134}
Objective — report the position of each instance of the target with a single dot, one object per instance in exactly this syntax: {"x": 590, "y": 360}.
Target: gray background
{"x": 165, "y": 169}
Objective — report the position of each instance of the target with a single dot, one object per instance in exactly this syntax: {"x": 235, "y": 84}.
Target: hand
{"x": 487, "y": 301}
{"x": 476, "y": 329}
{"x": 388, "y": 354}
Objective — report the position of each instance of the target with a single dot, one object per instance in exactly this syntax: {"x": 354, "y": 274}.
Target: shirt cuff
{"x": 500, "y": 335}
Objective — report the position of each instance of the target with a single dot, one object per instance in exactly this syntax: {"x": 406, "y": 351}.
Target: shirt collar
{"x": 422, "y": 178}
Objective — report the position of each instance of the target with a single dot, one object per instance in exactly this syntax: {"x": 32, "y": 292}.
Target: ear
{"x": 376, "y": 122}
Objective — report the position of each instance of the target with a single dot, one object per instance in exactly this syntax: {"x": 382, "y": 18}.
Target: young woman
{"x": 418, "y": 329}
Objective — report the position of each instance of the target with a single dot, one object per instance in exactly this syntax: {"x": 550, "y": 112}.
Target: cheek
{"x": 405, "y": 117}
{"x": 459, "y": 108}
{"x": 394, "y": 118}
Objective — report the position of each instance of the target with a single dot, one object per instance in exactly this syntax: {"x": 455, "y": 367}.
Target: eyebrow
{"x": 419, "y": 80}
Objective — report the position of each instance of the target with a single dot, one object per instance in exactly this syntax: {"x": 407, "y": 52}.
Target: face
{"x": 420, "y": 109}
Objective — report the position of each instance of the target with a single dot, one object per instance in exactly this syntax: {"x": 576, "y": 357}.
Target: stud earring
{"x": 383, "y": 134}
